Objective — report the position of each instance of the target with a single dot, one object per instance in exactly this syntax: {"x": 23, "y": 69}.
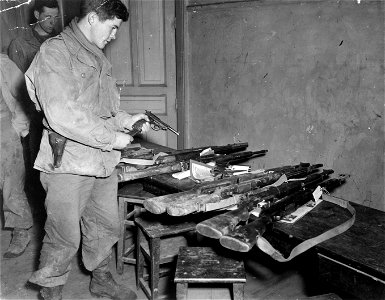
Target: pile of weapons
{"x": 179, "y": 160}
{"x": 259, "y": 198}
{"x": 259, "y": 202}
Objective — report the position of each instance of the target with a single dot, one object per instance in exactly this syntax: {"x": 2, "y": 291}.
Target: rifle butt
{"x": 182, "y": 201}
{"x": 222, "y": 224}
{"x": 191, "y": 204}
{"x": 235, "y": 244}
{"x": 150, "y": 171}
{"x": 158, "y": 205}
{"x": 244, "y": 238}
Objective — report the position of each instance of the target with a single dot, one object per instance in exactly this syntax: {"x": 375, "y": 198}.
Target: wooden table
{"x": 353, "y": 261}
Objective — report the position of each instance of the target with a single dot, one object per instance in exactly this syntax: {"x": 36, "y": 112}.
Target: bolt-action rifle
{"x": 243, "y": 238}
{"x": 183, "y": 154}
{"x": 172, "y": 164}
{"x": 223, "y": 224}
{"x": 220, "y": 193}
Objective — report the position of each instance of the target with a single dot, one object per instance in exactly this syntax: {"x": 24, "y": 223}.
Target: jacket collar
{"x": 32, "y": 37}
{"x": 72, "y": 32}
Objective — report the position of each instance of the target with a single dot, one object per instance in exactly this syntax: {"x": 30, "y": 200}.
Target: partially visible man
{"x": 14, "y": 125}
{"x": 22, "y": 50}
{"x": 70, "y": 80}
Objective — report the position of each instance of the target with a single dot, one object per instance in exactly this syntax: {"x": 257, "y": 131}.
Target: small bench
{"x": 203, "y": 265}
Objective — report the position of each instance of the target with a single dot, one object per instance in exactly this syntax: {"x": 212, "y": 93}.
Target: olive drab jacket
{"x": 23, "y": 48}
{"x": 70, "y": 81}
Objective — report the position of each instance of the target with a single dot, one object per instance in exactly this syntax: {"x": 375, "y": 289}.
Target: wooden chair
{"x": 203, "y": 265}
{"x": 159, "y": 239}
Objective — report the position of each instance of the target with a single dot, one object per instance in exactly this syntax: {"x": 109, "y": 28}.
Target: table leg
{"x": 139, "y": 257}
{"x": 181, "y": 291}
{"x": 155, "y": 260}
{"x": 238, "y": 291}
{"x": 121, "y": 241}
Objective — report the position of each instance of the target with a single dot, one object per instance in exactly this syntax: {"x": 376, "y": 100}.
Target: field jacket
{"x": 23, "y": 48}
{"x": 70, "y": 81}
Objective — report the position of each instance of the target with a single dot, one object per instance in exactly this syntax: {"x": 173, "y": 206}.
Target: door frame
{"x": 180, "y": 9}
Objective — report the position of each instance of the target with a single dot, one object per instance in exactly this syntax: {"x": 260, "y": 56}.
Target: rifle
{"x": 184, "y": 154}
{"x": 214, "y": 195}
{"x": 243, "y": 238}
{"x": 177, "y": 164}
{"x": 155, "y": 123}
{"x": 222, "y": 224}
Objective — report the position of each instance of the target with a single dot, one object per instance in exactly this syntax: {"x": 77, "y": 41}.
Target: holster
{"x": 57, "y": 143}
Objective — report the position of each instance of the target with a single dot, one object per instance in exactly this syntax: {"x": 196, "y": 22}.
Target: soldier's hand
{"x": 135, "y": 118}
{"x": 122, "y": 140}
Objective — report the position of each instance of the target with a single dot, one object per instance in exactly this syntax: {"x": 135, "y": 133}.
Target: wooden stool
{"x": 130, "y": 201}
{"x": 203, "y": 265}
{"x": 164, "y": 239}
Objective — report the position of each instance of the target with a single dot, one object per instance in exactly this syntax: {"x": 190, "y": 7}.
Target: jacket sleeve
{"x": 120, "y": 119}
{"x": 16, "y": 54}
{"x": 14, "y": 86}
{"x": 54, "y": 87}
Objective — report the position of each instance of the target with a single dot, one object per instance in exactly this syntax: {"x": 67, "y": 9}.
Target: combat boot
{"x": 103, "y": 285}
{"x": 18, "y": 244}
{"x": 52, "y": 293}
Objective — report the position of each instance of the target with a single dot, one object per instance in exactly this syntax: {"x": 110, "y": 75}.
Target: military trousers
{"x": 80, "y": 209}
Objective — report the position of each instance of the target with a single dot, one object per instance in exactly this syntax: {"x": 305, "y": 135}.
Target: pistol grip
{"x": 137, "y": 127}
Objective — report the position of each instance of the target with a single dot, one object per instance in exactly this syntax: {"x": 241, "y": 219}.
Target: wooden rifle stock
{"x": 220, "y": 225}
{"x": 243, "y": 238}
{"x": 228, "y": 195}
{"x": 195, "y": 200}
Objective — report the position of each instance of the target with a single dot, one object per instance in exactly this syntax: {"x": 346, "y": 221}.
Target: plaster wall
{"x": 303, "y": 79}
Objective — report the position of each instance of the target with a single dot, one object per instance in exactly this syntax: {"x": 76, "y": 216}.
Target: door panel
{"x": 143, "y": 61}
{"x": 151, "y": 42}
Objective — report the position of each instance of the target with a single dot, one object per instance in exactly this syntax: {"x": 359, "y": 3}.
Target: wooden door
{"x": 143, "y": 60}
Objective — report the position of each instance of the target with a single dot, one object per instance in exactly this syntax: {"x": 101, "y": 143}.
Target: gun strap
{"x": 266, "y": 247}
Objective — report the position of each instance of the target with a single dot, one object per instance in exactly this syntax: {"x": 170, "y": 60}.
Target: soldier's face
{"x": 47, "y": 18}
{"x": 103, "y": 32}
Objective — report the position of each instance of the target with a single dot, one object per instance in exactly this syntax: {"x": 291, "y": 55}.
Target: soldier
{"x": 22, "y": 50}
{"x": 70, "y": 81}
{"x": 14, "y": 126}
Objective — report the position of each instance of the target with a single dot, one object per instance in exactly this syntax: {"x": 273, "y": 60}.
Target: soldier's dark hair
{"x": 105, "y": 9}
{"x": 40, "y": 4}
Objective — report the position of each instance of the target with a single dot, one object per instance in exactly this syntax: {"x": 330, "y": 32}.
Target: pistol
{"x": 155, "y": 123}
{"x": 57, "y": 143}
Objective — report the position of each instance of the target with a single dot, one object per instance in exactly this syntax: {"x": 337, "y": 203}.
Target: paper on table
{"x": 304, "y": 209}
{"x": 200, "y": 171}
{"x": 181, "y": 175}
